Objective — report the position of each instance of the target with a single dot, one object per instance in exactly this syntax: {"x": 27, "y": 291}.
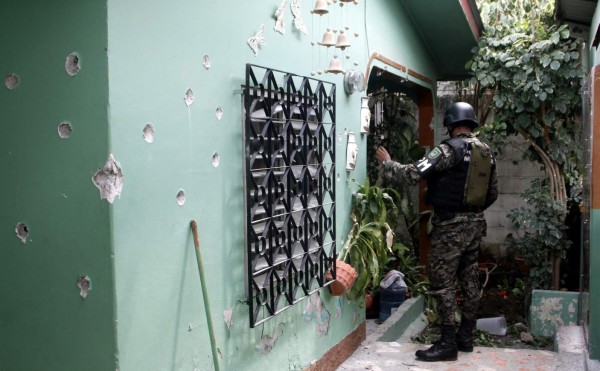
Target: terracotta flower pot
{"x": 346, "y": 275}
{"x": 369, "y": 301}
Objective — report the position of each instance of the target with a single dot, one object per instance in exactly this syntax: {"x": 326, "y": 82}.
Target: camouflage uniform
{"x": 455, "y": 239}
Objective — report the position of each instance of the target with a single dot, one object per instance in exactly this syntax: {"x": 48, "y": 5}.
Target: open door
{"x": 401, "y": 115}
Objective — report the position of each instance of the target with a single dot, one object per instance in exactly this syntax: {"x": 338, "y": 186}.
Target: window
{"x": 289, "y": 140}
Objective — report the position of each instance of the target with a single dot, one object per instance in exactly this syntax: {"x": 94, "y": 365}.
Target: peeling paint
{"x": 189, "y": 97}
{"x": 219, "y": 112}
{"x": 267, "y": 343}
{"x": 85, "y": 285}
{"x": 316, "y": 310}
{"x": 109, "y": 179}
{"x": 149, "y": 133}
{"x": 338, "y": 307}
{"x": 552, "y": 310}
{"x": 11, "y": 81}
{"x": 228, "y": 317}
{"x": 72, "y": 65}
{"x": 215, "y": 160}
{"x": 180, "y": 197}
{"x": 22, "y": 232}
{"x": 65, "y": 129}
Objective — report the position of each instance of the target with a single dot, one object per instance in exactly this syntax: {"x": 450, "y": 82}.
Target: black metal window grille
{"x": 289, "y": 140}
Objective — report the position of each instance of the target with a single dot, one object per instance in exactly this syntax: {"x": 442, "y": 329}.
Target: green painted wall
{"x": 46, "y": 184}
{"x": 551, "y": 309}
{"x": 145, "y": 310}
{"x": 155, "y": 54}
{"x": 390, "y": 33}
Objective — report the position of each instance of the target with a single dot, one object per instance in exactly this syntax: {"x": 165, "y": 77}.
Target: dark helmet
{"x": 460, "y": 112}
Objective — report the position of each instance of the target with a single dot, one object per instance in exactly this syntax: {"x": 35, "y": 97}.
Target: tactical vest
{"x": 464, "y": 187}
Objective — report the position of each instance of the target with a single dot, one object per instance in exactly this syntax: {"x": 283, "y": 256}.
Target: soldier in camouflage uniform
{"x": 461, "y": 183}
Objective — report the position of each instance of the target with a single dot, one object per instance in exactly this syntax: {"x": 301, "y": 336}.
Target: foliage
{"x": 541, "y": 233}
{"x": 370, "y": 241}
{"x": 396, "y": 130}
{"x": 527, "y": 79}
{"x": 517, "y": 287}
{"x": 531, "y": 68}
{"x": 483, "y": 339}
{"x": 394, "y": 126}
{"x": 405, "y": 261}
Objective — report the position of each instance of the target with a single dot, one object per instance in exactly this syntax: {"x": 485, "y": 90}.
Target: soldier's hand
{"x": 381, "y": 154}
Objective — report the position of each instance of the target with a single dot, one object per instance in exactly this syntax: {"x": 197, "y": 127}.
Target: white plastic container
{"x": 493, "y": 325}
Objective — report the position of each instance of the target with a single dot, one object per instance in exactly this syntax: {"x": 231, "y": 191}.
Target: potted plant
{"x": 369, "y": 243}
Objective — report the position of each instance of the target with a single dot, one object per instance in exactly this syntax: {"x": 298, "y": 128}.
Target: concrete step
{"x": 570, "y": 343}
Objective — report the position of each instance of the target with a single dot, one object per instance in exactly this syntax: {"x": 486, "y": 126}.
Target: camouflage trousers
{"x": 454, "y": 256}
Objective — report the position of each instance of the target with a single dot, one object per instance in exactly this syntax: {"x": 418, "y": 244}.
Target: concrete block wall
{"x": 514, "y": 177}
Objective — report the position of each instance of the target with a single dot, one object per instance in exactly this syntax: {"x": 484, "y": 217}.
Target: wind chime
{"x": 329, "y": 39}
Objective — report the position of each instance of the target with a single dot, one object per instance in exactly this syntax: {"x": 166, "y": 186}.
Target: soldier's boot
{"x": 442, "y": 350}
{"x": 464, "y": 335}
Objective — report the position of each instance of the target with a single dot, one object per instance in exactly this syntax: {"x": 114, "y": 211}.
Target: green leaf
{"x": 565, "y": 33}
{"x": 545, "y": 60}
{"x": 373, "y": 207}
{"x": 555, "y": 65}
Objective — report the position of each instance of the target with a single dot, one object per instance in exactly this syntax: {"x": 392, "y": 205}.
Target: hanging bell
{"x": 335, "y": 66}
{"x": 327, "y": 39}
{"x": 320, "y": 7}
{"x": 342, "y": 41}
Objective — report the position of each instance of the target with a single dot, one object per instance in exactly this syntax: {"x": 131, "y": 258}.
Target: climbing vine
{"x": 527, "y": 79}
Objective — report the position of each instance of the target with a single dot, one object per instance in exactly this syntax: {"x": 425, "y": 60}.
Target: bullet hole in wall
{"x": 206, "y": 62}
{"x": 216, "y": 159}
{"x": 65, "y": 129}
{"x": 85, "y": 285}
{"x": 72, "y": 65}
{"x": 219, "y": 112}
{"x": 267, "y": 343}
{"x": 11, "y": 81}
{"x": 149, "y": 133}
{"x": 189, "y": 97}
{"x": 180, "y": 197}
{"x": 109, "y": 179}
{"x": 22, "y": 232}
